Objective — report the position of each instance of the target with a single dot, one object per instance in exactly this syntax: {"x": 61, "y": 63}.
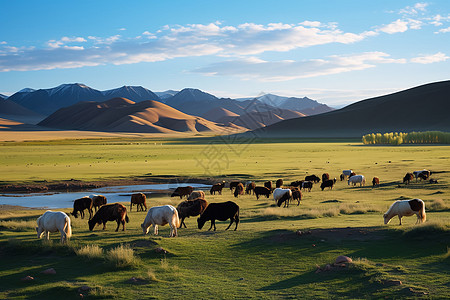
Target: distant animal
{"x": 282, "y": 196}
{"x": 342, "y": 177}
{"x": 346, "y": 173}
{"x": 312, "y": 178}
{"x": 268, "y": 184}
{"x": 357, "y": 179}
{"x": 297, "y": 183}
{"x": 433, "y": 181}
{"x": 162, "y": 215}
{"x": 233, "y": 185}
{"x": 239, "y": 190}
{"x": 79, "y": 205}
{"x": 53, "y": 221}
{"x": 296, "y": 194}
{"x": 140, "y": 200}
{"x": 352, "y": 174}
{"x": 327, "y": 183}
{"x": 402, "y": 208}
{"x": 190, "y": 208}
{"x": 279, "y": 183}
{"x": 110, "y": 212}
{"x": 249, "y": 188}
{"x": 182, "y": 191}
{"x": 261, "y": 191}
{"x": 408, "y": 177}
{"x": 217, "y": 188}
{"x": 375, "y": 181}
{"x": 425, "y": 174}
{"x": 196, "y": 194}
{"x": 325, "y": 176}
{"x": 97, "y": 201}
{"x": 219, "y": 211}
{"x": 307, "y": 185}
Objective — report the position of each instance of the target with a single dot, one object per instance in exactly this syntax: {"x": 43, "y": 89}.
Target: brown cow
{"x": 239, "y": 190}
{"x": 110, "y": 212}
{"x": 182, "y": 191}
{"x": 375, "y": 181}
{"x": 408, "y": 177}
{"x": 250, "y": 187}
{"x": 325, "y": 177}
{"x": 268, "y": 184}
{"x": 140, "y": 200}
{"x": 80, "y": 205}
{"x": 190, "y": 208}
{"x": 296, "y": 194}
{"x": 261, "y": 190}
{"x": 196, "y": 194}
{"x": 279, "y": 183}
{"x": 97, "y": 201}
{"x": 217, "y": 188}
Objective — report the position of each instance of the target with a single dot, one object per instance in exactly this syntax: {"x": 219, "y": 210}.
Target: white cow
{"x": 282, "y": 195}
{"x": 357, "y": 179}
{"x": 53, "y": 221}
{"x": 161, "y": 215}
{"x": 403, "y": 208}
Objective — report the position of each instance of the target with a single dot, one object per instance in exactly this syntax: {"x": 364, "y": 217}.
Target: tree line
{"x": 398, "y": 138}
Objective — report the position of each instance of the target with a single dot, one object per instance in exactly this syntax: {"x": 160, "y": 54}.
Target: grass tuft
{"x": 90, "y": 251}
{"x": 122, "y": 256}
{"x": 437, "y": 205}
{"x": 427, "y": 229}
{"x": 18, "y": 225}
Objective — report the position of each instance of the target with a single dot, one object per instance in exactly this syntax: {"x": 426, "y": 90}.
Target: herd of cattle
{"x": 196, "y": 205}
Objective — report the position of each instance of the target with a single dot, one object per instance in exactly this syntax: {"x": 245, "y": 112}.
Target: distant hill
{"x": 166, "y": 94}
{"x": 124, "y": 115}
{"x": 134, "y": 93}
{"x": 15, "y": 112}
{"x": 417, "y": 109}
{"x": 3, "y": 97}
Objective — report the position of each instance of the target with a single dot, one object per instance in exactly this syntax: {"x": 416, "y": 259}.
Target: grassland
{"x": 264, "y": 258}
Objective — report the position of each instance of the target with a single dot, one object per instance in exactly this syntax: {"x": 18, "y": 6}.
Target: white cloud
{"x": 257, "y": 69}
{"x": 429, "y": 59}
{"x": 395, "y": 27}
{"x": 414, "y": 10}
{"x": 443, "y": 30}
{"x": 176, "y": 41}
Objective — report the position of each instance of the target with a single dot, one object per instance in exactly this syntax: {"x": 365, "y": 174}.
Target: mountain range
{"x": 190, "y": 101}
{"x": 421, "y": 108}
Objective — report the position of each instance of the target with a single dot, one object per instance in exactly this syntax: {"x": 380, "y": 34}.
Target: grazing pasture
{"x": 290, "y": 242}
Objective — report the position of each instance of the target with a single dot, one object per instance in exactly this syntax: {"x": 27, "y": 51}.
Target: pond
{"x": 112, "y": 193}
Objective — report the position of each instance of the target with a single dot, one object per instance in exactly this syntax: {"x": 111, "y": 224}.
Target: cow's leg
{"x": 236, "y": 220}
{"x": 400, "y": 218}
{"x": 90, "y": 213}
{"x": 104, "y": 225}
{"x": 82, "y": 214}
{"x": 155, "y": 229}
{"x": 231, "y": 222}
{"x": 123, "y": 225}
{"x": 47, "y": 235}
{"x": 212, "y": 223}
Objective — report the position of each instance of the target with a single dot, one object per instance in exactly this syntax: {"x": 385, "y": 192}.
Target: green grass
{"x": 264, "y": 258}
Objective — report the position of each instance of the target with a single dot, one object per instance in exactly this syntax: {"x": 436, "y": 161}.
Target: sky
{"x": 336, "y": 52}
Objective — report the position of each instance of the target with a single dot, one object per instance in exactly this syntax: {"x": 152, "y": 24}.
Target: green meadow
{"x": 266, "y": 258}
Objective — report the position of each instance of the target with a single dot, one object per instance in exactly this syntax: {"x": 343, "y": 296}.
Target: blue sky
{"x": 336, "y": 52}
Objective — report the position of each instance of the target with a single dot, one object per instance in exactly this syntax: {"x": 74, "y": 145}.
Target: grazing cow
{"x": 110, "y": 212}
{"x": 312, "y": 178}
{"x": 352, "y": 174}
{"x": 282, "y": 195}
{"x": 261, "y": 190}
{"x": 219, "y": 211}
{"x": 296, "y": 194}
{"x": 279, "y": 183}
{"x": 357, "y": 179}
{"x": 182, "y": 191}
{"x": 140, "y": 200}
{"x": 327, "y": 183}
{"x": 196, "y": 194}
{"x": 217, "y": 188}
{"x": 342, "y": 177}
{"x": 239, "y": 190}
{"x": 425, "y": 174}
{"x": 325, "y": 176}
{"x": 250, "y": 187}
{"x": 408, "y": 177}
{"x": 190, "y": 208}
{"x": 375, "y": 181}
{"x": 307, "y": 185}
{"x": 346, "y": 173}
{"x": 233, "y": 185}
{"x": 403, "y": 208}
{"x": 268, "y": 184}
{"x": 162, "y": 215}
{"x": 80, "y": 205}
{"x": 297, "y": 183}
{"x": 97, "y": 201}
{"x": 53, "y": 221}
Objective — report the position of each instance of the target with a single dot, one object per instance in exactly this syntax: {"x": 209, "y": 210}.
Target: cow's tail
{"x": 126, "y": 218}
{"x": 422, "y": 214}
{"x": 67, "y": 228}
{"x": 176, "y": 219}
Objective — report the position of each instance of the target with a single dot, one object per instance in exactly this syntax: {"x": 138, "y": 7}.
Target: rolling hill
{"x": 420, "y": 108}
{"x": 15, "y": 112}
{"x": 124, "y": 115}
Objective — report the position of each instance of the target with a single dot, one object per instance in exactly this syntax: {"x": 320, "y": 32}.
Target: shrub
{"x": 122, "y": 256}
{"x": 90, "y": 251}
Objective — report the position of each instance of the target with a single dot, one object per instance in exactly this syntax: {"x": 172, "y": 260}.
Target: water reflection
{"x": 65, "y": 200}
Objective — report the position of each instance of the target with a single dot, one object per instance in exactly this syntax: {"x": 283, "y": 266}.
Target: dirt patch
{"x": 348, "y": 233}
{"x": 143, "y": 243}
{"x": 137, "y": 280}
